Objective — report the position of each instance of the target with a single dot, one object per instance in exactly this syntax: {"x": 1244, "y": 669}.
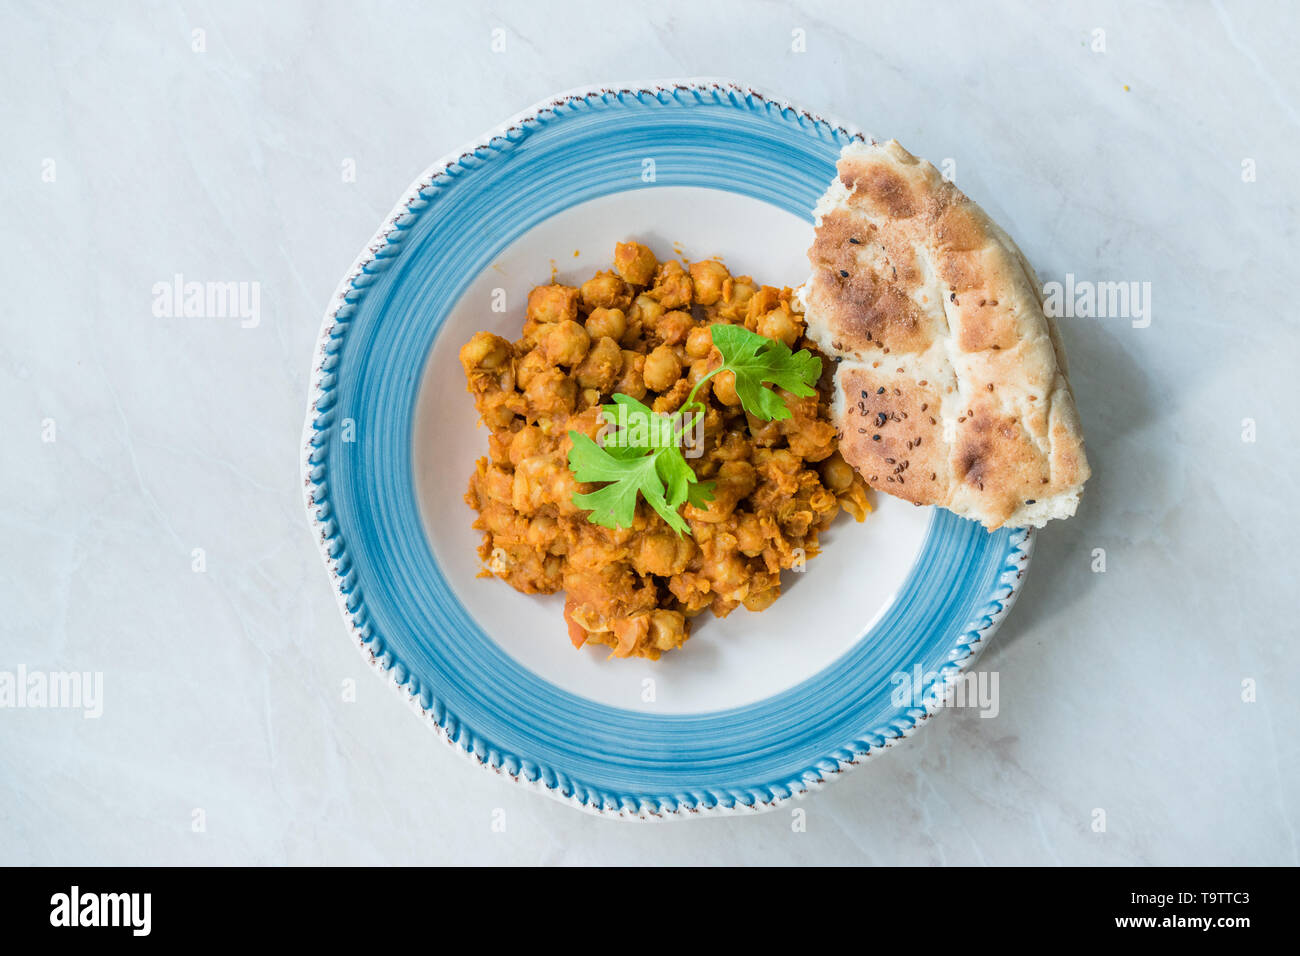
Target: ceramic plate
{"x": 754, "y": 709}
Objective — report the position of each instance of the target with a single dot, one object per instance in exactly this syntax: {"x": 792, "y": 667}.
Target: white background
{"x": 1120, "y": 691}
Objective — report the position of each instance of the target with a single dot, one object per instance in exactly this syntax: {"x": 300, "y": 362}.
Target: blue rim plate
{"x": 362, "y": 503}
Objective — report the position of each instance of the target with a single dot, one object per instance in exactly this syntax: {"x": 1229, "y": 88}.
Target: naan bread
{"x": 952, "y": 386}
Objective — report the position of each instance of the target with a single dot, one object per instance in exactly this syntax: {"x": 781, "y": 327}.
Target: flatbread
{"x": 952, "y": 381}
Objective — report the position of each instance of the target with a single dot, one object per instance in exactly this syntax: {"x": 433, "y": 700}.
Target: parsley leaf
{"x": 641, "y": 456}
{"x": 680, "y": 482}
{"x": 637, "y": 426}
{"x": 754, "y": 359}
{"x": 614, "y": 505}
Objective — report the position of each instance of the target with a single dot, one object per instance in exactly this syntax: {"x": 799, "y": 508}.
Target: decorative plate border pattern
{"x": 374, "y": 259}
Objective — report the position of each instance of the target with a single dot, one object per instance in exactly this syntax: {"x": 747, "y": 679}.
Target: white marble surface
{"x": 1119, "y": 690}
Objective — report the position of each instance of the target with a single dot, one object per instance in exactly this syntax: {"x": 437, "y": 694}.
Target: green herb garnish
{"x": 644, "y": 456}
{"x": 753, "y": 360}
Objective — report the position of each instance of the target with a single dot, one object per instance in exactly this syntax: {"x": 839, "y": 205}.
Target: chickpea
{"x": 560, "y": 483}
{"x": 499, "y": 446}
{"x": 764, "y": 434}
{"x": 532, "y": 363}
{"x": 499, "y": 521}
{"x": 662, "y": 369}
{"x": 497, "y": 484}
{"x": 674, "y": 327}
{"x": 699, "y": 343}
{"x": 541, "y": 532}
{"x": 761, "y": 600}
{"x": 734, "y": 446}
{"x": 708, "y": 277}
{"x": 837, "y": 474}
{"x": 796, "y": 523}
{"x": 484, "y": 351}
{"x": 671, "y": 400}
{"x": 526, "y": 443}
{"x": 567, "y": 343}
{"x": 697, "y": 370}
{"x": 655, "y": 556}
{"x": 779, "y": 461}
{"x": 610, "y": 323}
{"x": 632, "y": 380}
{"x": 589, "y": 423}
{"x": 552, "y": 303}
{"x": 724, "y": 388}
{"x": 663, "y": 553}
{"x": 855, "y": 502}
{"x": 632, "y": 338}
{"x": 735, "y": 300}
{"x": 667, "y": 629}
{"x": 498, "y": 416}
{"x": 750, "y": 538}
{"x": 760, "y": 303}
{"x": 530, "y": 483}
{"x": 635, "y": 263}
{"x": 812, "y": 439}
{"x": 780, "y": 325}
{"x": 602, "y": 365}
{"x": 728, "y": 573}
{"x": 823, "y": 502}
{"x": 606, "y": 290}
{"x": 672, "y": 285}
{"x": 645, "y": 313}
{"x": 551, "y": 393}
{"x": 735, "y": 480}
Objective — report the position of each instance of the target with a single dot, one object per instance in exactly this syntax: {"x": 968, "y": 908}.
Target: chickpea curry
{"x": 711, "y": 528}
